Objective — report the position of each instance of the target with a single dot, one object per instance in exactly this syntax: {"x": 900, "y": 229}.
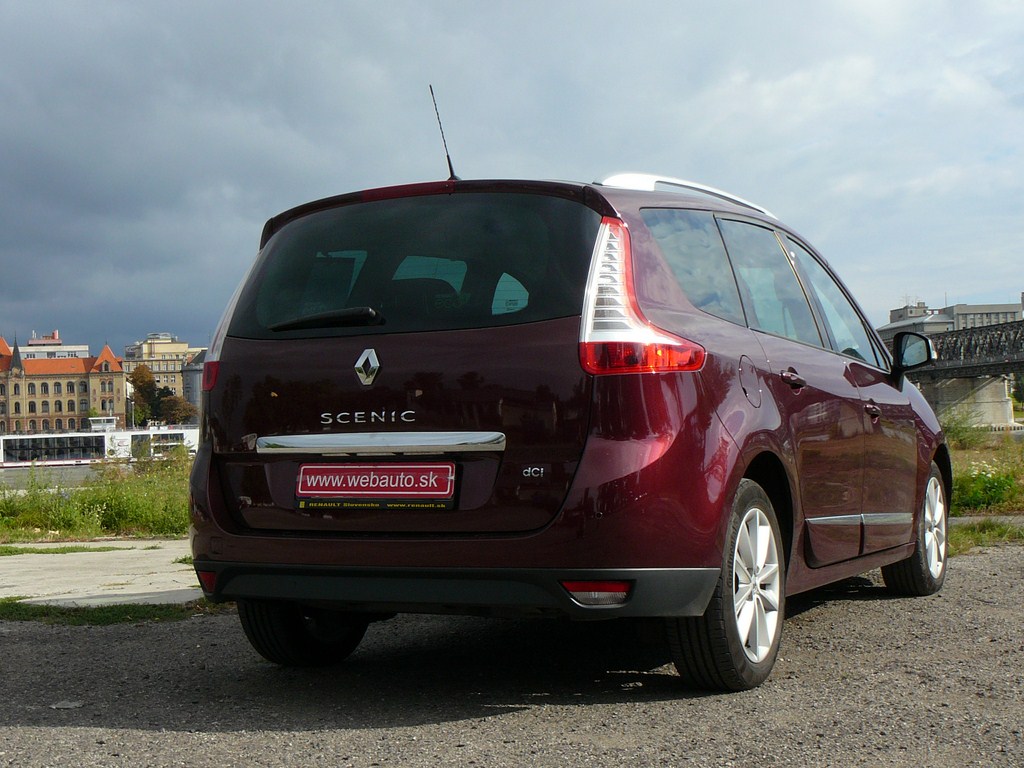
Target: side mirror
{"x": 911, "y": 350}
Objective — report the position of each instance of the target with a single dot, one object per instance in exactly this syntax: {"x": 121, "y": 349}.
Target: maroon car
{"x": 636, "y": 398}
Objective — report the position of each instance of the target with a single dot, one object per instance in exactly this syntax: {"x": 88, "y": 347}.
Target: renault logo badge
{"x": 367, "y": 366}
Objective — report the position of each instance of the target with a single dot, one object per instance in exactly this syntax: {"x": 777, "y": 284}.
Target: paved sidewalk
{"x": 137, "y": 571}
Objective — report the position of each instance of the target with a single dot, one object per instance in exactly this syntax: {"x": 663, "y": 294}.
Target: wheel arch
{"x": 768, "y": 471}
{"x": 944, "y": 462}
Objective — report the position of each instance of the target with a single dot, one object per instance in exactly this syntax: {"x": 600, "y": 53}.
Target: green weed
{"x": 984, "y": 533}
{"x": 12, "y": 609}
{"x": 146, "y": 498}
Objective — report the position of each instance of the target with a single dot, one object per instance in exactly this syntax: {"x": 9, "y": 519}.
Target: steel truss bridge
{"x": 990, "y": 350}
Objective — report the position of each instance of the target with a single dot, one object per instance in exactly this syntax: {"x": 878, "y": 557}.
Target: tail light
{"x": 615, "y": 336}
{"x": 211, "y": 361}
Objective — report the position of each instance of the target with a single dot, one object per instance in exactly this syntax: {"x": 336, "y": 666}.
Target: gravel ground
{"x": 863, "y": 679}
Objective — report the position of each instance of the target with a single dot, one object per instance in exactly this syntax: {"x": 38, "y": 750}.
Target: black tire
{"x": 298, "y": 636}
{"x": 924, "y": 571}
{"x": 712, "y": 651}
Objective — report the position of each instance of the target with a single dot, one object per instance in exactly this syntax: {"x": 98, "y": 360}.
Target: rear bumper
{"x": 483, "y": 591}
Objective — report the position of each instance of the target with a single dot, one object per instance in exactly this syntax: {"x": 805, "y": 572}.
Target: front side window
{"x": 844, "y": 325}
{"x": 771, "y": 292}
{"x": 693, "y": 249}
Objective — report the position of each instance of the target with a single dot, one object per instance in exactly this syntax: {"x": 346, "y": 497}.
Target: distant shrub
{"x": 961, "y": 431}
{"x": 148, "y": 497}
{"x": 983, "y": 486}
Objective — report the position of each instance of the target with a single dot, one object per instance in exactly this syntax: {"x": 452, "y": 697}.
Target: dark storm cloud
{"x": 142, "y": 145}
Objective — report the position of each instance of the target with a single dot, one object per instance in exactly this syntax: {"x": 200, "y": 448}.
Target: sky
{"x": 144, "y": 144}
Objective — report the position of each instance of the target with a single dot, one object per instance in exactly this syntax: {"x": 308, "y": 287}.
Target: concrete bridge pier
{"x": 984, "y": 399}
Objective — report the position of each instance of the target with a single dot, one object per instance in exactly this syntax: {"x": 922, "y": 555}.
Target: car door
{"x": 817, "y": 398}
{"x": 890, "y": 436}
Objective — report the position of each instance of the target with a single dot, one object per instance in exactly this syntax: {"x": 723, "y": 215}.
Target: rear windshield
{"x": 439, "y": 262}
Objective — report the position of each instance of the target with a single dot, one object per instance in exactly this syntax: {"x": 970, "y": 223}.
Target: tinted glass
{"x": 692, "y": 247}
{"x": 844, "y": 324}
{"x": 424, "y": 263}
{"x": 773, "y": 297}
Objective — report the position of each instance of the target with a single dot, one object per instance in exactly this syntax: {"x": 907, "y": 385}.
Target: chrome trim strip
{"x": 835, "y": 520}
{"x": 381, "y": 443}
{"x": 888, "y": 518}
{"x": 870, "y": 518}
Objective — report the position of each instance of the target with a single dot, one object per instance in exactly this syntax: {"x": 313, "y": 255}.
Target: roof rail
{"x": 649, "y": 182}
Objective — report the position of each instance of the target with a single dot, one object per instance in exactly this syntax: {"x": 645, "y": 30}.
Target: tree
{"x": 177, "y": 410}
{"x": 144, "y": 386}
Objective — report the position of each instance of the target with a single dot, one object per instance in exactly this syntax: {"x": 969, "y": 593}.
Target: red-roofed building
{"x": 58, "y": 394}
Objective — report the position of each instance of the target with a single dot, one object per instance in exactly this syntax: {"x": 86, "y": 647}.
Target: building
{"x": 55, "y": 394}
{"x": 165, "y": 356}
{"x": 52, "y": 347}
{"x": 192, "y": 379}
{"x": 918, "y": 317}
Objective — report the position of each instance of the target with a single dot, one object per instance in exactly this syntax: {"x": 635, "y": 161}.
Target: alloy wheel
{"x": 757, "y": 582}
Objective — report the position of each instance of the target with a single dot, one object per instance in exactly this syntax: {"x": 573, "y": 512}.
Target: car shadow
{"x": 853, "y": 589}
{"x": 201, "y": 675}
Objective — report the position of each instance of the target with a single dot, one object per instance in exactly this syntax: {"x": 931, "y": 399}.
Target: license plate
{"x": 376, "y": 481}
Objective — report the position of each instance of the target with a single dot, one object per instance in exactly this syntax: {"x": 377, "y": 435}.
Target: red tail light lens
{"x": 635, "y": 357}
{"x": 616, "y": 337}
{"x": 210, "y": 369}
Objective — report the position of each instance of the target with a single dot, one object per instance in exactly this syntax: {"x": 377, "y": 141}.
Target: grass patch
{"x": 186, "y": 560}
{"x": 8, "y": 549}
{"x": 11, "y": 609}
{"x": 989, "y": 478}
{"x": 984, "y": 533}
{"x": 145, "y": 498}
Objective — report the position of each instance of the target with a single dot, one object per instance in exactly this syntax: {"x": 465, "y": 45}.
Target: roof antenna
{"x": 448, "y": 157}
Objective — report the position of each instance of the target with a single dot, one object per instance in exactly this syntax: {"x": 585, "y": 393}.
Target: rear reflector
{"x": 599, "y": 592}
{"x": 615, "y": 336}
{"x": 207, "y": 580}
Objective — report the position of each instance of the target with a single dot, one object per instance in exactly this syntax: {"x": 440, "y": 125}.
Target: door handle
{"x": 794, "y": 379}
{"x": 872, "y": 410}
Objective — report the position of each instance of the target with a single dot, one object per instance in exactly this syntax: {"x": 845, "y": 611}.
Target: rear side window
{"x": 773, "y": 296}
{"x": 438, "y": 262}
{"x": 693, "y": 249}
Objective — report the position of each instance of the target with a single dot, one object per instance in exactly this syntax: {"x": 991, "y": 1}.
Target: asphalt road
{"x": 863, "y": 679}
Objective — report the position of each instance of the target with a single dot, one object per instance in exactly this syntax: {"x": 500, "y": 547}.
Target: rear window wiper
{"x": 337, "y": 319}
